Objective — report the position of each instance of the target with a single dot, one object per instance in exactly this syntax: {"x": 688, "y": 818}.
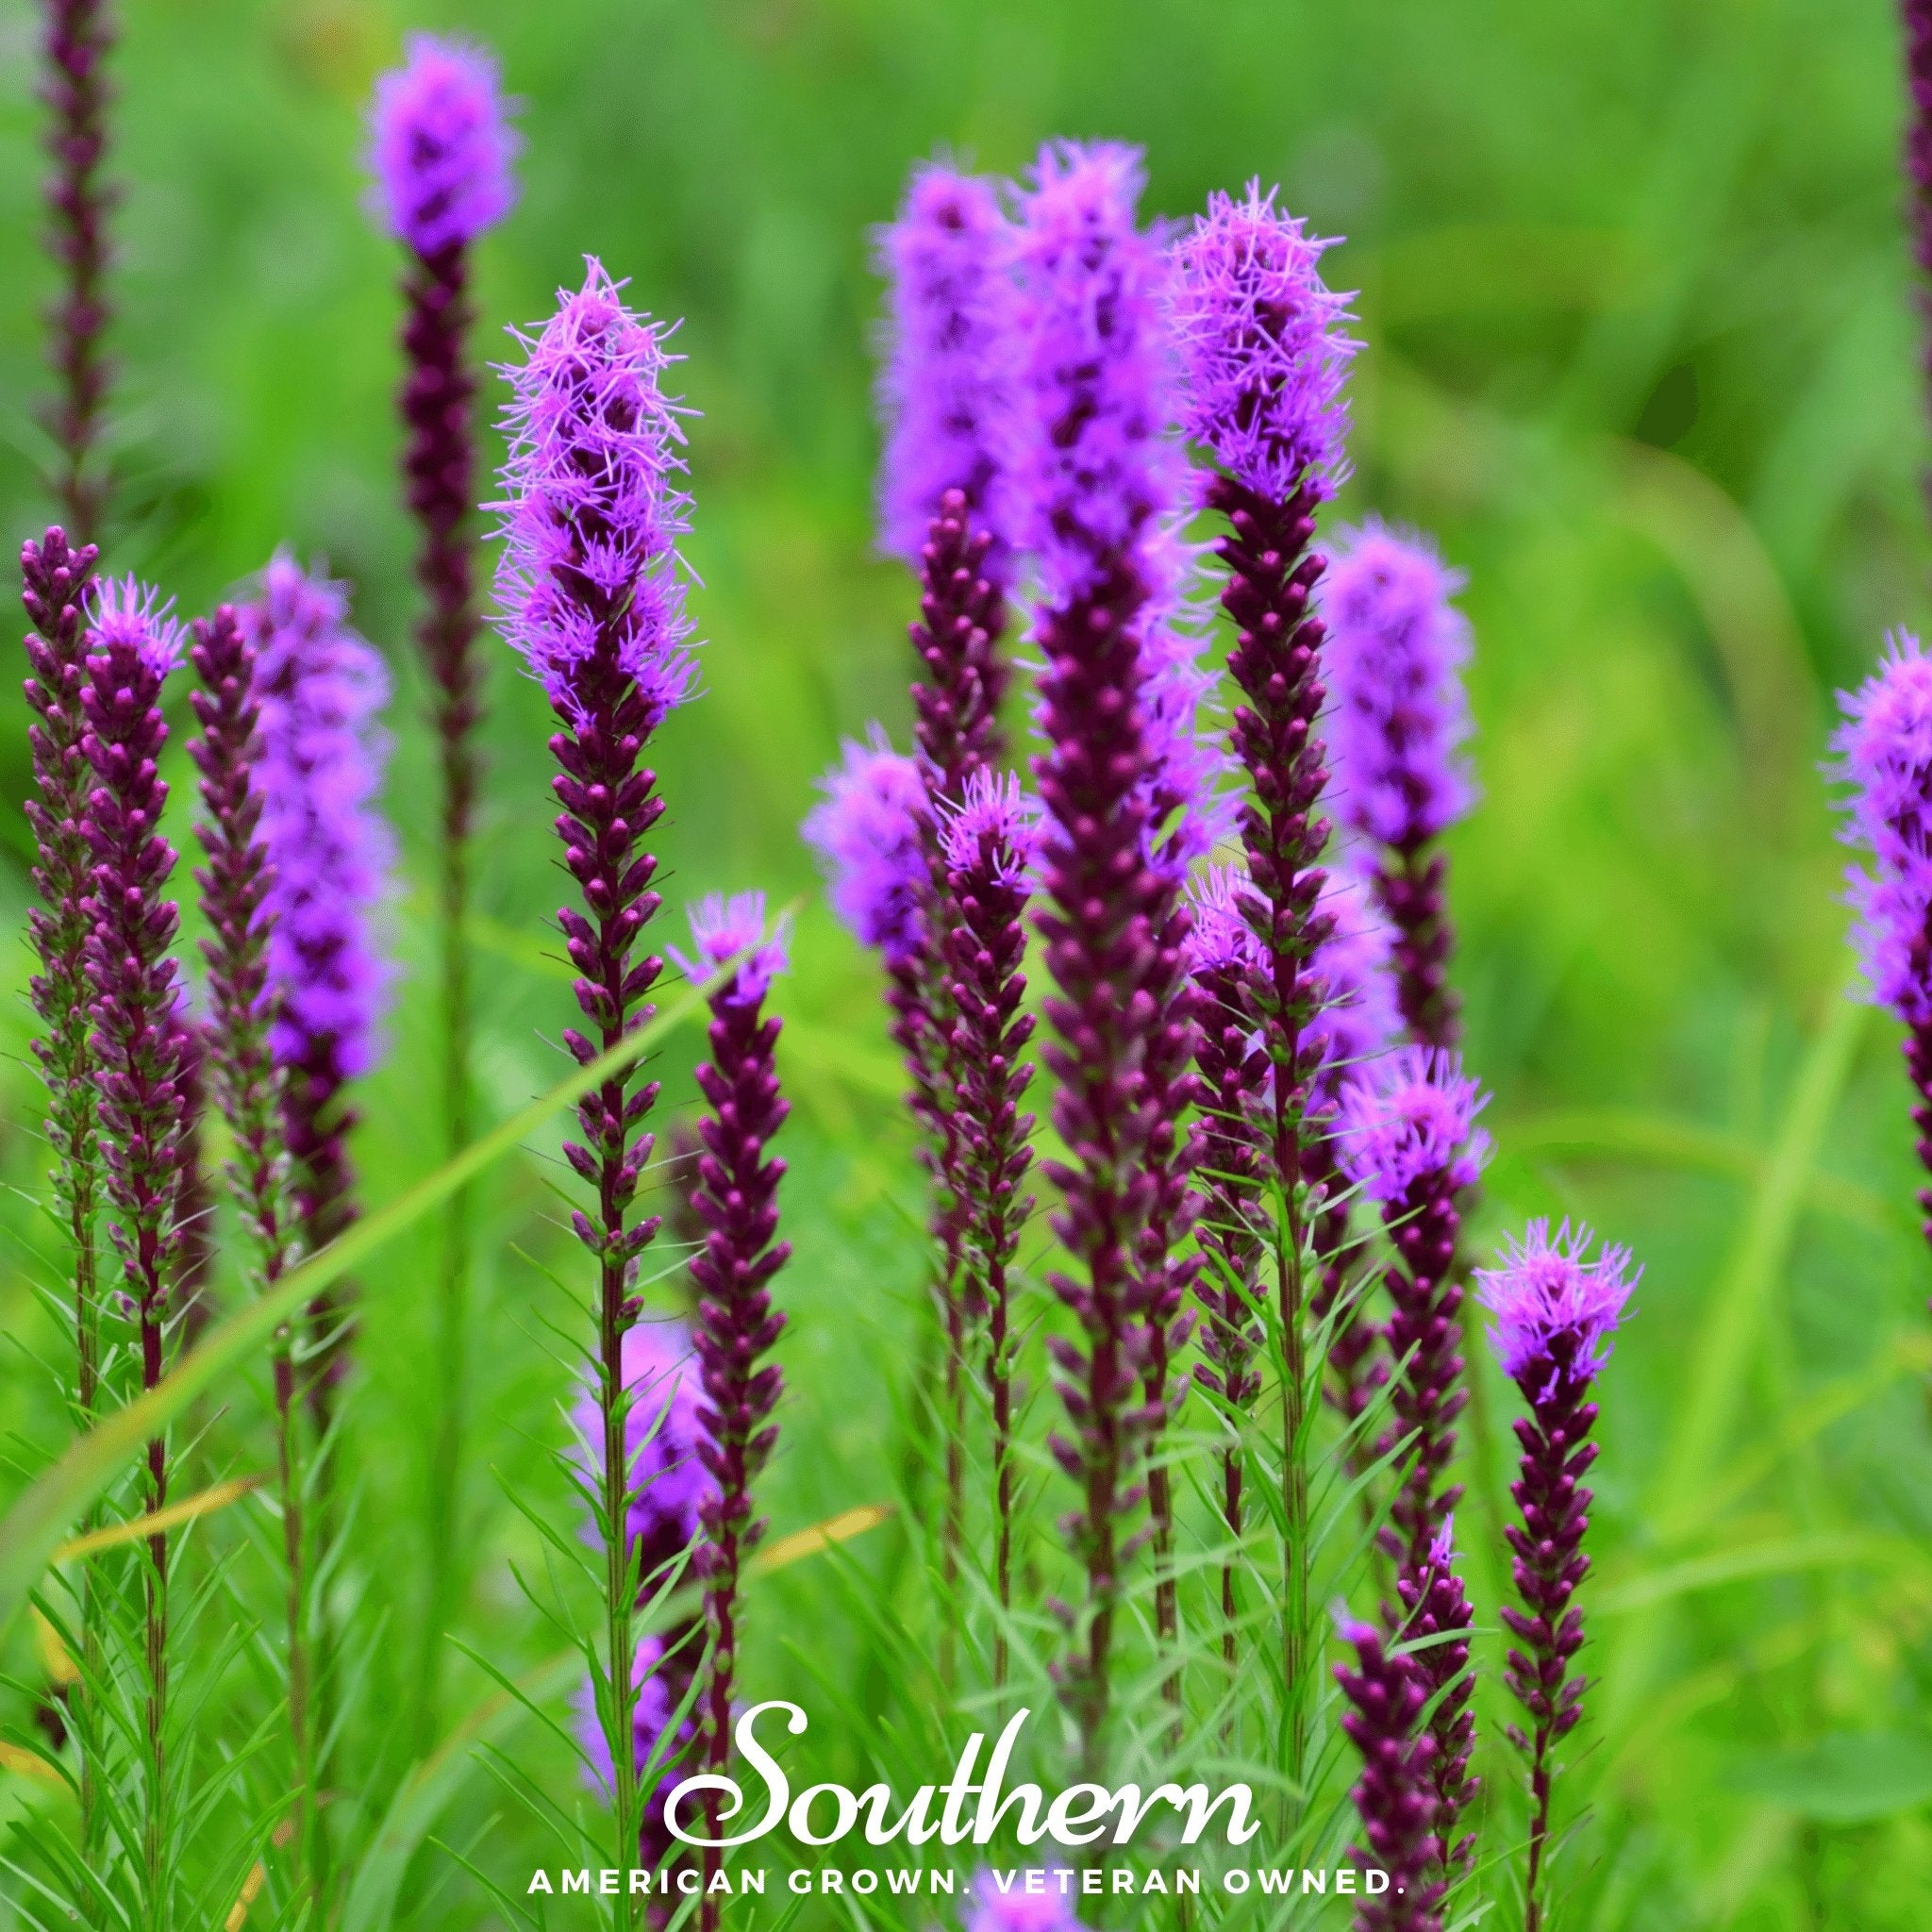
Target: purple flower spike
{"x": 866, "y": 834}
{"x": 1262, "y": 358}
{"x": 1918, "y": 157}
{"x": 1554, "y": 1312}
{"x": 322, "y": 691}
{"x": 590, "y": 593}
{"x": 1097, "y": 474}
{"x": 1262, "y": 348}
{"x": 737, "y": 1199}
{"x": 77, "y": 40}
{"x": 947, "y": 387}
{"x": 139, "y": 1045}
{"x": 991, "y": 846}
{"x": 57, "y": 584}
{"x": 1395, "y": 1796}
{"x": 1409, "y": 1142}
{"x": 1436, "y": 1620}
{"x": 722, "y": 929}
{"x": 442, "y": 147}
{"x": 1094, "y": 468}
{"x": 1396, "y": 651}
{"x": 590, "y": 568}
{"x": 1017, "y": 1911}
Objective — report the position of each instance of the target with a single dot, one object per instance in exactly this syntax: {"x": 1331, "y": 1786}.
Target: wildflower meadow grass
{"x": 932, "y": 900}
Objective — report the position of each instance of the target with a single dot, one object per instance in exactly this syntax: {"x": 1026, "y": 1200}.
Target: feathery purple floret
{"x": 1552, "y": 1307}
{"x": 722, "y": 929}
{"x": 440, "y": 146}
{"x": 947, "y": 389}
{"x": 995, "y": 826}
{"x": 868, "y": 838}
{"x": 993, "y": 1911}
{"x": 1399, "y": 716}
{"x": 589, "y": 562}
{"x": 323, "y": 750}
{"x": 1262, "y": 351}
{"x": 1411, "y": 1117}
{"x": 1094, "y": 467}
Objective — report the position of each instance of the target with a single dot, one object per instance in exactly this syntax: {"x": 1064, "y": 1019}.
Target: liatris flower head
{"x": 126, "y": 614}
{"x": 995, "y": 1910}
{"x": 440, "y": 146}
{"x": 722, "y": 929}
{"x": 594, "y": 511}
{"x": 1554, "y": 1310}
{"x": 1355, "y": 1020}
{"x": 1222, "y": 935}
{"x": 952, "y": 341}
{"x": 1397, "y": 646}
{"x": 997, "y": 816}
{"x": 867, "y": 835}
{"x": 1092, "y": 466}
{"x": 323, "y": 689}
{"x": 1262, "y": 351}
{"x": 1411, "y": 1115}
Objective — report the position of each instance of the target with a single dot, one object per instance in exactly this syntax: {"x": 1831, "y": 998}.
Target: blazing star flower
{"x": 1411, "y": 1118}
{"x": 867, "y": 836}
{"x": 1553, "y": 1314}
{"x": 722, "y": 929}
{"x": 1408, "y": 1140}
{"x": 1097, "y": 474}
{"x": 440, "y": 146}
{"x": 589, "y": 568}
{"x": 737, "y": 1199}
{"x": 946, "y": 389}
{"x": 1093, "y": 468}
{"x": 1394, "y": 1797}
{"x": 76, "y": 46}
{"x": 1397, "y": 646}
{"x": 1357, "y": 1019}
{"x": 1436, "y": 1618}
{"x": 1261, "y": 347}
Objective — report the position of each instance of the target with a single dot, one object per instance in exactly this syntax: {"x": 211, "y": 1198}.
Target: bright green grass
{"x": 1639, "y": 351}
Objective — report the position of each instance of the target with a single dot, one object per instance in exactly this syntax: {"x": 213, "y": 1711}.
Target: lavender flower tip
{"x": 440, "y": 146}
{"x": 1554, "y": 1310}
{"x": 725, "y": 929}
{"x": 867, "y": 835}
{"x": 1411, "y": 1116}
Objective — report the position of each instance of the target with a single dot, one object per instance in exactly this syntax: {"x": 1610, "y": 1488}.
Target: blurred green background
{"x": 1639, "y": 351}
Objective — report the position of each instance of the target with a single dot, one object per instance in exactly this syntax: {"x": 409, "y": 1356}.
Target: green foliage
{"x": 1640, "y": 350}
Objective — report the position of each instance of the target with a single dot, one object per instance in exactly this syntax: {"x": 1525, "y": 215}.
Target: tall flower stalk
{"x": 248, "y": 1084}
{"x": 56, "y": 585}
{"x": 947, "y": 394}
{"x": 591, "y": 595}
{"x": 442, "y": 157}
{"x": 1916, "y": 17}
{"x": 737, "y": 1199}
{"x": 1399, "y": 718}
{"x": 1437, "y": 1620}
{"x": 989, "y": 845}
{"x": 1264, "y": 356}
{"x": 1408, "y": 1140}
{"x": 1553, "y": 1313}
{"x": 1885, "y": 757}
{"x": 1096, "y": 475}
{"x": 77, "y": 39}
{"x": 137, "y": 1045}
{"x": 322, "y": 689}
